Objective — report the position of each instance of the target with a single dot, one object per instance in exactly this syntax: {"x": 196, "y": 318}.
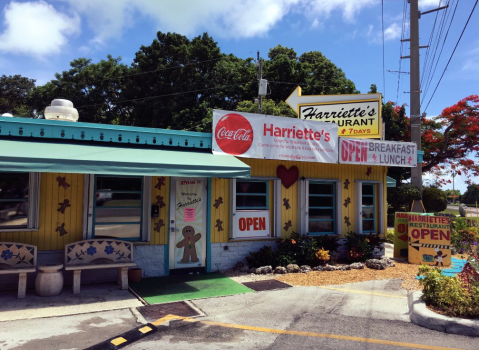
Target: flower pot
{"x": 134, "y": 274}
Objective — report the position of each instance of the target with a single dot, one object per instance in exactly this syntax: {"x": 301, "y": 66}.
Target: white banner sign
{"x": 267, "y": 137}
{"x": 385, "y": 153}
{"x": 251, "y": 224}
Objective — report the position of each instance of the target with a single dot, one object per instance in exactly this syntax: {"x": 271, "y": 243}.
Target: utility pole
{"x": 415, "y": 97}
{"x": 260, "y": 77}
{"x": 415, "y": 93}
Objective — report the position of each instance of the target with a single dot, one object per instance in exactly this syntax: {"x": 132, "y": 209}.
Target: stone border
{"x": 422, "y": 316}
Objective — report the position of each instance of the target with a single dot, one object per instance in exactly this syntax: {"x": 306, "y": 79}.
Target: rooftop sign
{"x": 357, "y": 115}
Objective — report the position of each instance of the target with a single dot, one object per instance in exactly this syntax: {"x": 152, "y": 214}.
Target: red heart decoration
{"x": 288, "y": 176}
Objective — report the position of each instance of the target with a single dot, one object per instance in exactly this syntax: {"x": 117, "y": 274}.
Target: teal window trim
{"x": 252, "y": 194}
{"x": 100, "y": 208}
{"x": 373, "y": 207}
{"x": 333, "y": 208}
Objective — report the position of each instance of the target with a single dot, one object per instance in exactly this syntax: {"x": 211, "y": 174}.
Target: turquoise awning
{"x": 94, "y": 159}
{"x": 390, "y": 182}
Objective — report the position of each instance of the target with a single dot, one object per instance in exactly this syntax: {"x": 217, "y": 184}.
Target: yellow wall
{"x": 49, "y": 218}
{"x": 267, "y": 168}
{"x": 164, "y": 190}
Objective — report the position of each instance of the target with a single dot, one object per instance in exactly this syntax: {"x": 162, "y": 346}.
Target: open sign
{"x": 252, "y": 224}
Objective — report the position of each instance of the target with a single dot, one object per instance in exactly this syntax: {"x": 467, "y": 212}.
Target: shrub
{"x": 328, "y": 242}
{"x": 263, "y": 257}
{"x": 297, "y": 249}
{"x": 361, "y": 247}
{"x": 448, "y": 293}
{"x": 433, "y": 199}
{"x": 390, "y": 235}
{"x": 400, "y": 198}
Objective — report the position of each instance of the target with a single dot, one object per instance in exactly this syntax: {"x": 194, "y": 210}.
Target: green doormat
{"x": 166, "y": 289}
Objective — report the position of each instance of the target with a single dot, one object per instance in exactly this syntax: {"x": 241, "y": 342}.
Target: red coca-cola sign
{"x": 234, "y": 134}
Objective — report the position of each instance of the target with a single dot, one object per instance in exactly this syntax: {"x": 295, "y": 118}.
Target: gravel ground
{"x": 403, "y": 270}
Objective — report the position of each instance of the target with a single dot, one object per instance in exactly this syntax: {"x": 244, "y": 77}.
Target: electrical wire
{"x": 401, "y": 48}
{"x": 452, "y": 54}
{"x": 384, "y": 69}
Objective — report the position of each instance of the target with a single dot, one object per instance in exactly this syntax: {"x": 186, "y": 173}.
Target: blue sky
{"x": 39, "y": 38}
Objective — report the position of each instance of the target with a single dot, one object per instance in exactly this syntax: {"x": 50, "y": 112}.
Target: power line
{"x": 452, "y": 54}
{"x": 401, "y": 48}
{"x": 166, "y": 95}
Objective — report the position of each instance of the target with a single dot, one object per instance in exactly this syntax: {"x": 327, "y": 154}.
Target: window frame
{"x": 90, "y": 206}
{"x": 373, "y": 207}
{"x": 379, "y": 206}
{"x": 33, "y": 204}
{"x": 303, "y": 210}
{"x": 275, "y": 211}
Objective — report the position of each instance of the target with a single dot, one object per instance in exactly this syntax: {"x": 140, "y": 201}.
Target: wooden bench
{"x": 18, "y": 258}
{"x": 99, "y": 254}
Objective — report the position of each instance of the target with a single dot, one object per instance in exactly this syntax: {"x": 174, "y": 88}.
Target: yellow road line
{"x": 364, "y": 292}
{"x": 304, "y": 334}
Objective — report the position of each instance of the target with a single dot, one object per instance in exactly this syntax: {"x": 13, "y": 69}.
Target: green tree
{"x": 269, "y": 107}
{"x": 14, "y": 95}
{"x": 433, "y": 199}
{"x": 453, "y": 195}
{"x": 471, "y": 196}
{"x": 94, "y": 88}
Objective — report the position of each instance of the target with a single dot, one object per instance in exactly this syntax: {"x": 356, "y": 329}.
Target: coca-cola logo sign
{"x": 234, "y": 134}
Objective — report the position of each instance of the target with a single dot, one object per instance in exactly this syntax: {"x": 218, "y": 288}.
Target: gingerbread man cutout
{"x": 159, "y": 201}
{"x": 188, "y": 243}
{"x": 159, "y": 225}
{"x": 218, "y": 202}
{"x": 63, "y": 206}
{"x": 286, "y": 203}
{"x": 219, "y": 225}
{"x": 161, "y": 182}
{"x": 62, "y": 182}
{"x": 287, "y": 225}
{"x": 61, "y": 229}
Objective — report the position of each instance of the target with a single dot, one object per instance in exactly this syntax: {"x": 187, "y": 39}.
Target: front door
{"x": 188, "y": 215}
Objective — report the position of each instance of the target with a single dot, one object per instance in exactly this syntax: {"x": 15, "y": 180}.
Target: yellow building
{"x": 181, "y": 206}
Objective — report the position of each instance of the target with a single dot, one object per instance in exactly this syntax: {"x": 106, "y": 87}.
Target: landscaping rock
{"x": 376, "y": 264}
{"x": 331, "y": 268}
{"x": 388, "y": 261}
{"x": 280, "y": 270}
{"x": 345, "y": 268}
{"x": 305, "y": 269}
{"x": 292, "y": 268}
{"x": 263, "y": 270}
{"x": 357, "y": 266}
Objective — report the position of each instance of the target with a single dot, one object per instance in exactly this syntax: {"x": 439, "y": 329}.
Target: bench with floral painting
{"x": 18, "y": 258}
{"x": 99, "y": 254}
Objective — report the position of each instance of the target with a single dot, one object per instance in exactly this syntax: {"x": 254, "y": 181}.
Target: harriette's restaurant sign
{"x": 385, "y": 153}
{"x": 267, "y": 137}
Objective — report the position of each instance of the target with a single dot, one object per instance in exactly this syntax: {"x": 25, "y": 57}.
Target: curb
{"x": 126, "y": 338}
{"x": 422, "y": 316}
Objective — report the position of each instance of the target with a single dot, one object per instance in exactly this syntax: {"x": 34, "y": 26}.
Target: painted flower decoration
{"x": 7, "y": 254}
{"x": 91, "y": 251}
{"x": 109, "y": 249}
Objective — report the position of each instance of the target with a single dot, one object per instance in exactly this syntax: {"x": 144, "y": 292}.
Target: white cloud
{"x": 349, "y": 8}
{"x": 428, "y": 4}
{"x": 36, "y": 29}
{"x": 392, "y": 32}
{"x": 470, "y": 65}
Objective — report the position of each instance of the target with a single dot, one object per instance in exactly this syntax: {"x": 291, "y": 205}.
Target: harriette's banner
{"x": 267, "y": 137}
{"x": 385, "y": 153}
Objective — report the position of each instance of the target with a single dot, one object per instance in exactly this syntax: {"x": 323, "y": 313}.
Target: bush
{"x": 449, "y": 294}
{"x": 263, "y": 257}
{"x": 400, "y": 198}
{"x": 433, "y": 199}
{"x": 390, "y": 235}
{"x": 361, "y": 247}
{"x": 297, "y": 249}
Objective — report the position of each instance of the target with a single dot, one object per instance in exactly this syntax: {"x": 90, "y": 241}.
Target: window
{"x": 118, "y": 207}
{"x": 19, "y": 201}
{"x": 368, "y": 208}
{"x": 254, "y": 210}
{"x": 251, "y": 195}
{"x": 321, "y": 208}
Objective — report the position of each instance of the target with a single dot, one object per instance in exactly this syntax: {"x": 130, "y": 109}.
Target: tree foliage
{"x": 471, "y": 195}
{"x": 449, "y": 141}
{"x": 14, "y": 95}
{"x": 433, "y": 199}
